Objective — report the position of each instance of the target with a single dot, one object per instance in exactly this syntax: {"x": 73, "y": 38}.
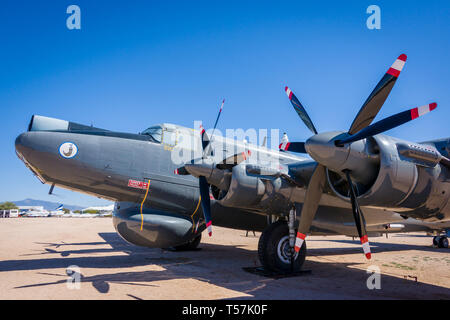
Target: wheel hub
{"x": 284, "y": 250}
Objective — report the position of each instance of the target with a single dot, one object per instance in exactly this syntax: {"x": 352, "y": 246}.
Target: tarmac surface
{"x": 36, "y": 252}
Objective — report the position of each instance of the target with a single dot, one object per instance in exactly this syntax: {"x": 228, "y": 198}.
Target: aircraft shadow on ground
{"x": 374, "y": 247}
{"x": 212, "y": 264}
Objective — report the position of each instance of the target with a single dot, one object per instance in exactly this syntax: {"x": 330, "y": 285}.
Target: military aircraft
{"x": 356, "y": 181}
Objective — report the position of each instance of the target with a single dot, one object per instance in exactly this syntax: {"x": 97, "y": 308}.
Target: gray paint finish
{"x": 104, "y": 165}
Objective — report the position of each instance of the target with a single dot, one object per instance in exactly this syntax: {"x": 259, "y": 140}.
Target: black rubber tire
{"x": 267, "y": 249}
{"x": 436, "y": 241}
{"x": 443, "y": 242}
{"x": 191, "y": 245}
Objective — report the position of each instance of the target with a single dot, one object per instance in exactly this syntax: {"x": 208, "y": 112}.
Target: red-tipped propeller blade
{"x": 359, "y": 218}
{"x": 375, "y": 101}
{"x": 390, "y": 123}
{"x": 206, "y": 203}
{"x": 300, "y": 110}
{"x": 311, "y": 203}
{"x": 298, "y": 147}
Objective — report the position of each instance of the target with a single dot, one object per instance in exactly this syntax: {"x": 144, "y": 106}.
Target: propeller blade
{"x": 181, "y": 171}
{"x": 359, "y": 218}
{"x": 298, "y": 147}
{"x": 206, "y": 203}
{"x": 284, "y": 141}
{"x": 389, "y": 123}
{"x": 234, "y": 160}
{"x": 205, "y": 139}
{"x": 309, "y": 209}
{"x": 375, "y": 101}
{"x": 300, "y": 110}
{"x": 218, "y": 116}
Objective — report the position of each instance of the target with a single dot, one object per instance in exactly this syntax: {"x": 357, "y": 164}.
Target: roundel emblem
{"x": 68, "y": 150}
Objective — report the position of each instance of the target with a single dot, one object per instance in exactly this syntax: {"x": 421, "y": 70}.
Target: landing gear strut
{"x": 291, "y": 225}
{"x": 275, "y": 251}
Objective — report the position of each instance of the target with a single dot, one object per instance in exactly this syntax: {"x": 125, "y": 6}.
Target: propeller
{"x": 361, "y": 128}
{"x": 368, "y": 111}
{"x": 203, "y": 167}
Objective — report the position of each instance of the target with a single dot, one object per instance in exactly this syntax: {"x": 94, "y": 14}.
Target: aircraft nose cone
{"x": 33, "y": 147}
{"x": 321, "y": 147}
{"x": 22, "y": 143}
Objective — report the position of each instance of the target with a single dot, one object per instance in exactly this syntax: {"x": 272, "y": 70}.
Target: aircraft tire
{"x": 436, "y": 241}
{"x": 443, "y": 242}
{"x": 191, "y": 245}
{"x": 273, "y": 250}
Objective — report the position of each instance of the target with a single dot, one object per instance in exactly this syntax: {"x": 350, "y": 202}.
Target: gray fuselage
{"x": 119, "y": 166}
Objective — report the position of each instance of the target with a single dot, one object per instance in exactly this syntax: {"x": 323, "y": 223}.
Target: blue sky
{"x": 137, "y": 63}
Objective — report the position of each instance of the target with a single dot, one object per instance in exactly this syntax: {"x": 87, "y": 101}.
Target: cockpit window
{"x": 154, "y": 132}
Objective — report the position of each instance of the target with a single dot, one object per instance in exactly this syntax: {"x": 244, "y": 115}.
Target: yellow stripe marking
{"x": 142, "y": 204}
{"x": 192, "y": 217}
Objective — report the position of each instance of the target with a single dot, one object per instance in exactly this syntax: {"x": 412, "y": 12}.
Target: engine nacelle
{"x": 396, "y": 178}
{"x": 409, "y": 180}
{"x": 269, "y": 194}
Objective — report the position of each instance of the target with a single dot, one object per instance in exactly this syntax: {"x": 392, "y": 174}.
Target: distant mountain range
{"x": 48, "y": 205}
